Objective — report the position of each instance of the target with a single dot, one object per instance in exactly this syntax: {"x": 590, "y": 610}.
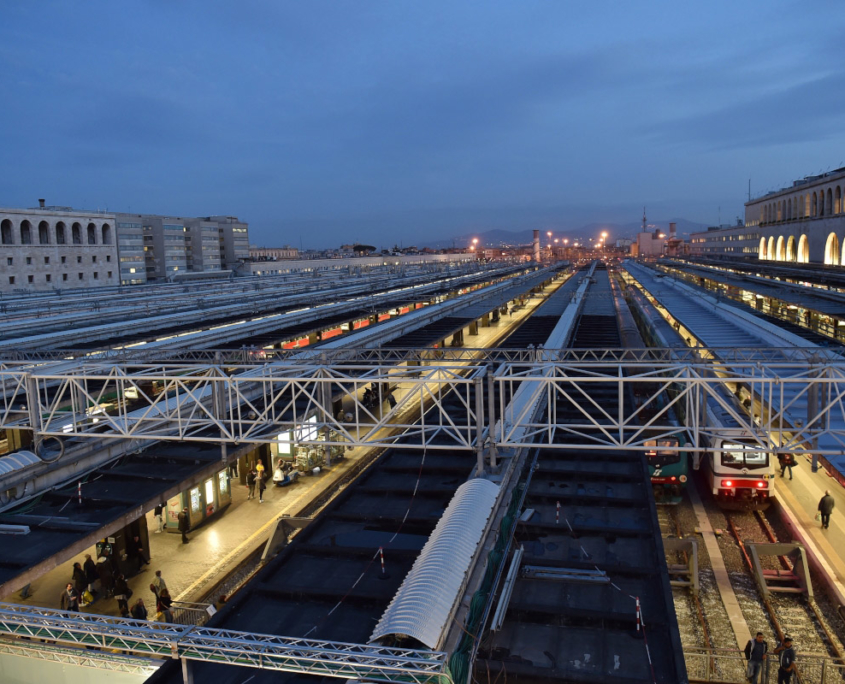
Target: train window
{"x": 740, "y": 456}
{"x": 660, "y": 458}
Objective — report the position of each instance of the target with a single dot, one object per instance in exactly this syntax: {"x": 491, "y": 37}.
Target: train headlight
{"x": 683, "y": 478}
{"x": 727, "y": 483}
{"x": 761, "y": 484}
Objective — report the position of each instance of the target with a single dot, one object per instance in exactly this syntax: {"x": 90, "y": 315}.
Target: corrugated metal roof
{"x": 17, "y": 461}
{"x": 423, "y": 605}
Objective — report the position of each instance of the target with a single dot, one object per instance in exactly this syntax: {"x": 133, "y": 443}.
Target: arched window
{"x": 803, "y": 250}
{"x": 6, "y": 230}
{"x": 76, "y": 231}
{"x": 92, "y": 234}
{"x": 26, "y": 233}
{"x": 814, "y": 210}
{"x": 789, "y": 209}
{"x": 837, "y": 201}
{"x": 106, "y": 234}
{"x": 762, "y": 248}
{"x": 829, "y": 205}
{"x": 780, "y": 255}
{"x": 770, "y": 250}
{"x": 60, "y": 233}
{"x": 831, "y": 250}
{"x": 43, "y": 233}
{"x": 791, "y": 254}
{"x": 763, "y": 214}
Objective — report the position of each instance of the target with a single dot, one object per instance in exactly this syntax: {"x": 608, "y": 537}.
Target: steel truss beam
{"x": 798, "y": 403}
{"x": 11, "y": 360}
{"x": 263, "y": 651}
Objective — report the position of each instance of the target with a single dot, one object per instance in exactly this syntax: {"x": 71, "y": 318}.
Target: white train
{"x": 739, "y": 472}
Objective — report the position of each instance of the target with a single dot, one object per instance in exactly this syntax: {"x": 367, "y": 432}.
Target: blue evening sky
{"x": 327, "y": 121}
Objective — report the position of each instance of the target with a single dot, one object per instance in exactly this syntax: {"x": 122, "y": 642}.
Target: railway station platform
{"x": 799, "y": 499}
{"x": 217, "y": 548}
{"x": 214, "y": 550}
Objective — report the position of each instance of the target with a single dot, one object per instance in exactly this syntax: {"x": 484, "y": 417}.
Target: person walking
{"x": 159, "y": 514}
{"x": 163, "y": 605}
{"x": 122, "y": 593}
{"x": 786, "y": 660}
{"x": 262, "y": 485}
{"x": 69, "y": 600}
{"x": 184, "y": 524}
{"x": 250, "y": 483}
{"x": 80, "y": 581}
{"x": 139, "y": 610}
{"x": 756, "y": 652}
{"x": 826, "y": 505}
{"x": 786, "y": 461}
{"x": 158, "y": 584}
{"x": 91, "y": 574}
{"x": 139, "y": 552}
{"x": 104, "y": 572}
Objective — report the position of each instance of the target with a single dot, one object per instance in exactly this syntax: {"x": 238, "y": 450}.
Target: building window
{"x": 96, "y": 275}
{"x": 46, "y": 260}
{"x": 31, "y": 278}
{"x": 80, "y": 276}
{"x": 64, "y": 276}
{"x": 9, "y": 261}
{"x": 29, "y": 261}
{"x": 79, "y": 260}
{"x": 11, "y": 280}
{"x": 108, "y": 257}
{"x": 109, "y": 274}
{"x": 94, "y": 259}
{"x": 48, "y": 277}
{"x": 64, "y": 259}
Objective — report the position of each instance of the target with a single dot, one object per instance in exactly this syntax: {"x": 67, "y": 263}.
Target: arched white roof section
{"x": 17, "y": 461}
{"x": 422, "y": 608}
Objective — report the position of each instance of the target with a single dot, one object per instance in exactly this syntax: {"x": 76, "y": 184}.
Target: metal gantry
{"x": 188, "y": 643}
{"x": 797, "y": 402}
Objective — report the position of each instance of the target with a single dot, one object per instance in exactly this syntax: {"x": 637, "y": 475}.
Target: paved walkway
{"x": 799, "y": 498}
{"x": 217, "y": 547}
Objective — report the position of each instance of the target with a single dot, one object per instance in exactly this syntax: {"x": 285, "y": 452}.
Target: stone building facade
{"x": 804, "y": 223}
{"x": 57, "y": 248}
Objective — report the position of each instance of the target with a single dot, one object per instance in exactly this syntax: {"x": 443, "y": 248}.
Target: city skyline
{"x": 323, "y": 123}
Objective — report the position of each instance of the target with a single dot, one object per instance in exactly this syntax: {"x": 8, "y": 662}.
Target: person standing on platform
{"x": 159, "y": 514}
{"x": 184, "y": 524}
{"x": 80, "y": 581}
{"x": 139, "y": 610}
{"x": 158, "y": 584}
{"x": 786, "y": 461}
{"x": 250, "y": 483}
{"x": 163, "y": 605}
{"x": 756, "y": 651}
{"x": 122, "y": 593}
{"x": 786, "y": 660}
{"x": 70, "y": 599}
{"x": 826, "y": 505}
{"x": 262, "y": 485}
{"x": 91, "y": 574}
{"x": 104, "y": 572}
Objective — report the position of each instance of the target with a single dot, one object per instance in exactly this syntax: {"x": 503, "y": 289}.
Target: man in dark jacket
{"x": 122, "y": 593}
{"x": 250, "y": 482}
{"x": 184, "y": 524}
{"x": 826, "y": 508}
{"x": 139, "y": 610}
{"x": 79, "y": 580}
{"x": 69, "y": 599}
{"x": 786, "y": 661}
{"x": 755, "y": 653}
{"x": 91, "y": 574}
{"x": 262, "y": 485}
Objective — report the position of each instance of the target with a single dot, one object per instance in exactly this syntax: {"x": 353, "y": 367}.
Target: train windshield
{"x": 660, "y": 458}
{"x": 742, "y": 456}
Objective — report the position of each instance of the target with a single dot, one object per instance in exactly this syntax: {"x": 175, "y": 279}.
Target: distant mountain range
{"x": 500, "y": 238}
